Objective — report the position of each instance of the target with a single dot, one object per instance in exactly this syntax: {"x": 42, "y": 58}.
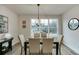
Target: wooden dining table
{"x": 27, "y": 42}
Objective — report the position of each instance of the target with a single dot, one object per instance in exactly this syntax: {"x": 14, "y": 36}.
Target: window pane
{"x": 44, "y": 26}
{"x": 44, "y": 29}
{"x": 35, "y": 23}
{"x": 53, "y": 30}
{"x": 53, "y": 23}
{"x": 44, "y": 22}
{"x": 35, "y": 29}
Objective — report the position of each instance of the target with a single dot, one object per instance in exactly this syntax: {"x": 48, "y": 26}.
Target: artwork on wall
{"x": 3, "y": 24}
{"x": 24, "y": 24}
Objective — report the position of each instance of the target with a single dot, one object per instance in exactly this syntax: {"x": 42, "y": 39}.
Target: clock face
{"x": 73, "y": 23}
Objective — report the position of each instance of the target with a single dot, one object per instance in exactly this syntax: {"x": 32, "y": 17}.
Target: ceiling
{"x": 44, "y": 9}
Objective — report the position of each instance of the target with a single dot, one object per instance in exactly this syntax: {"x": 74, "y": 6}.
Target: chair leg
{"x": 21, "y": 50}
{"x": 60, "y": 49}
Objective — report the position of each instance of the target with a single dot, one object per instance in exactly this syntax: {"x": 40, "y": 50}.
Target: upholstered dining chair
{"x": 47, "y": 47}
{"x": 60, "y": 40}
{"x": 36, "y": 35}
{"x": 22, "y": 40}
{"x": 43, "y": 35}
{"x": 34, "y": 46}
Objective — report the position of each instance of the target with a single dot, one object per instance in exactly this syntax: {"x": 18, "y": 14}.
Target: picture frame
{"x": 24, "y": 22}
{"x": 3, "y": 24}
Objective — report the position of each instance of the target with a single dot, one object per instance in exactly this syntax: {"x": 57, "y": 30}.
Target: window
{"x": 35, "y": 25}
{"x": 44, "y": 25}
{"x": 53, "y": 26}
{"x": 48, "y": 26}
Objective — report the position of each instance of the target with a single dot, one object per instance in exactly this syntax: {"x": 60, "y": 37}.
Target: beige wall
{"x": 28, "y": 18}
{"x": 12, "y": 22}
{"x": 71, "y": 38}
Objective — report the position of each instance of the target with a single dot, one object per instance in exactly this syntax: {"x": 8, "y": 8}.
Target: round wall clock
{"x": 73, "y": 24}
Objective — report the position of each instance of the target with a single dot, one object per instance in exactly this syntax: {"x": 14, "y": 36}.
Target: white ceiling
{"x": 44, "y": 9}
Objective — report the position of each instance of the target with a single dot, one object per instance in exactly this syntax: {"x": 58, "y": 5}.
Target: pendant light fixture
{"x": 38, "y": 10}
{"x": 38, "y": 15}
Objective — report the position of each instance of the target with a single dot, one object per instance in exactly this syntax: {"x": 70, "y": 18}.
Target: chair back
{"x": 43, "y": 35}
{"x": 36, "y": 35}
{"x": 60, "y": 38}
{"x": 47, "y": 45}
{"x": 34, "y": 45}
{"x": 22, "y": 39}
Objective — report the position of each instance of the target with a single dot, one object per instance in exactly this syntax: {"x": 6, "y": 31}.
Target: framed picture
{"x": 23, "y": 26}
{"x": 24, "y": 22}
{"x": 3, "y": 24}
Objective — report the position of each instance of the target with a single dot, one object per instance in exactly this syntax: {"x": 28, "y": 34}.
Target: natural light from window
{"x": 49, "y": 26}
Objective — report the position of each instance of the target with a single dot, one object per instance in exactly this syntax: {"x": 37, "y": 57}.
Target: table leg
{"x": 25, "y": 47}
{"x": 57, "y": 48}
{"x": 0, "y": 49}
{"x": 10, "y": 45}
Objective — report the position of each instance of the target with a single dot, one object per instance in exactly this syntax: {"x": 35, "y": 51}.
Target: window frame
{"x": 39, "y": 21}
{"x": 53, "y": 27}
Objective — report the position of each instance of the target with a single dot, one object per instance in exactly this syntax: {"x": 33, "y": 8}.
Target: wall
{"x": 71, "y": 38}
{"x": 28, "y": 18}
{"x": 12, "y": 22}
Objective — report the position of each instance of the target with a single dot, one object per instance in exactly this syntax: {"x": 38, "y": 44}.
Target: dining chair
{"x": 60, "y": 40}
{"x": 22, "y": 40}
{"x": 43, "y": 35}
{"x": 34, "y": 46}
{"x": 47, "y": 47}
{"x": 36, "y": 35}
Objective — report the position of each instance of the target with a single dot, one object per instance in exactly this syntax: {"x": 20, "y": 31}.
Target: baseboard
{"x": 72, "y": 51}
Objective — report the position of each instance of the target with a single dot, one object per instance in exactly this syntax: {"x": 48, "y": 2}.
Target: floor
{"x": 16, "y": 51}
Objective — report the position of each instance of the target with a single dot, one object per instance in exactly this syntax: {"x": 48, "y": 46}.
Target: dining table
{"x": 55, "y": 42}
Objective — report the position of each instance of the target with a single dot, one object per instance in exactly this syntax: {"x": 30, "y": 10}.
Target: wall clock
{"x": 73, "y": 24}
